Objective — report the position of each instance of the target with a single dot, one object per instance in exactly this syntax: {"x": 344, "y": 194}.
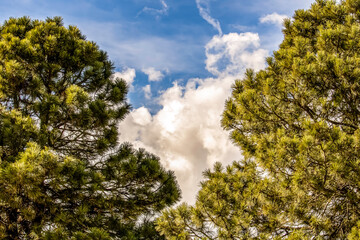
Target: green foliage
{"x": 15, "y": 132}
{"x": 298, "y": 122}
{"x": 54, "y": 75}
{"x": 62, "y": 173}
{"x": 31, "y": 189}
{"x": 227, "y": 206}
{"x": 233, "y": 203}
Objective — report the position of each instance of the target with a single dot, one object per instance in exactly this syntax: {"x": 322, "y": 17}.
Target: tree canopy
{"x": 297, "y": 125}
{"x": 64, "y": 82}
{"x": 63, "y": 174}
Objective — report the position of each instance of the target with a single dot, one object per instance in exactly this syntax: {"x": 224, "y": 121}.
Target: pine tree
{"x": 298, "y": 122}
{"x": 64, "y": 82}
{"x": 230, "y": 205}
{"x": 63, "y": 174}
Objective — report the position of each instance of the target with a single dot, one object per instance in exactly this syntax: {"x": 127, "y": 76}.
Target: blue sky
{"x": 167, "y": 35}
{"x": 180, "y": 58}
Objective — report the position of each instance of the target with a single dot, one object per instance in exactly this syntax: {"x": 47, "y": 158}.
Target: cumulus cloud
{"x": 153, "y": 75}
{"x": 147, "y": 91}
{"x": 233, "y": 53}
{"x": 186, "y": 132}
{"x": 204, "y": 9}
{"x": 273, "y": 18}
{"x": 141, "y": 116}
{"x": 128, "y": 75}
{"x": 163, "y": 11}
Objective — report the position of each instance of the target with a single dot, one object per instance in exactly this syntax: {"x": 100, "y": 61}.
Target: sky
{"x": 179, "y": 58}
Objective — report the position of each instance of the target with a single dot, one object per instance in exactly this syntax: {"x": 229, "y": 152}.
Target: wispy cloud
{"x": 163, "y": 11}
{"x": 204, "y": 9}
{"x": 150, "y": 51}
{"x": 273, "y": 18}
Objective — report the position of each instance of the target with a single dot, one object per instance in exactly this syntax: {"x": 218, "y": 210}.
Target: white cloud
{"x": 163, "y": 11}
{"x": 153, "y": 74}
{"x": 147, "y": 91}
{"x": 141, "y": 116}
{"x": 204, "y": 9}
{"x": 186, "y": 133}
{"x": 273, "y": 18}
{"x": 233, "y": 53}
{"x": 128, "y": 75}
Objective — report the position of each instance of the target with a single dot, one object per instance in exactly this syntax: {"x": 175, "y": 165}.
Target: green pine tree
{"x": 63, "y": 174}
{"x": 298, "y": 122}
{"x": 64, "y": 82}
